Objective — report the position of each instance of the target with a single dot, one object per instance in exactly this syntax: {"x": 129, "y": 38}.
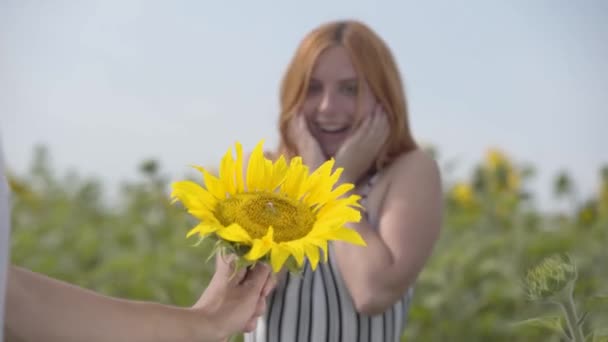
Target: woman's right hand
{"x": 359, "y": 152}
{"x": 307, "y": 146}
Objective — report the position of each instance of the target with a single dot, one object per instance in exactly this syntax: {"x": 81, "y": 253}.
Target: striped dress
{"x": 317, "y": 307}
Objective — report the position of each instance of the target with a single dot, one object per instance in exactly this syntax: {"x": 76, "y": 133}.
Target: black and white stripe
{"x": 316, "y": 306}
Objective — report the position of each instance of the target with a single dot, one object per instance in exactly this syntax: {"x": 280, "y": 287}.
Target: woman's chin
{"x": 330, "y": 151}
{"x": 330, "y": 144}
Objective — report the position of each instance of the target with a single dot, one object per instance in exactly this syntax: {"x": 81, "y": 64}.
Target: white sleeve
{"x": 4, "y": 238}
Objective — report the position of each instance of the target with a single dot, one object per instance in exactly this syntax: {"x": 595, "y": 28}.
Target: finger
{"x": 294, "y": 123}
{"x": 302, "y": 124}
{"x": 299, "y": 121}
{"x": 304, "y": 134}
{"x": 383, "y": 122}
{"x": 227, "y": 258}
{"x": 251, "y": 325}
{"x": 363, "y": 131}
{"x": 380, "y": 128}
{"x": 238, "y": 277}
{"x": 271, "y": 283}
{"x": 292, "y": 126}
{"x": 380, "y": 117}
{"x": 359, "y": 129}
{"x": 226, "y": 267}
{"x": 297, "y": 127}
{"x": 260, "y": 307}
{"x": 379, "y": 109}
{"x": 222, "y": 263}
{"x": 370, "y": 130}
{"x": 256, "y": 277}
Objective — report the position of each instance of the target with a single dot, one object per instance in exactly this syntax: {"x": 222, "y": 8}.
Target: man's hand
{"x": 236, "y": 300}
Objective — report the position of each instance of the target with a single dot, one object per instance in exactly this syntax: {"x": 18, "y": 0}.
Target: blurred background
{"x": 104, "y": 103}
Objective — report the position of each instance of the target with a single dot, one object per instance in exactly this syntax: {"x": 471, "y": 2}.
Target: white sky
{"x": 105, "y": 84}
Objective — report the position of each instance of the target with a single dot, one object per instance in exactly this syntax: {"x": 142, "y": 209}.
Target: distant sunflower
{"x": 273, "y": 212}
{"x": 463, "y": 194}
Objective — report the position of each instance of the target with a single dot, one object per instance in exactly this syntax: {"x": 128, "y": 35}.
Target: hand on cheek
{"x": 359, "y": 152}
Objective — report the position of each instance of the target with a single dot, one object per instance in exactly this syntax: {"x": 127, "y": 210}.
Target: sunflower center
{"x": 255, "y": 212}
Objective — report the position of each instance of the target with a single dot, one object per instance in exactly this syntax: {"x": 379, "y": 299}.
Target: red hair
{"x": 372, "y": 60}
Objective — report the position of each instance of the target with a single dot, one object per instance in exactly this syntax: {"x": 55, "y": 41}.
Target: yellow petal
{"x": 192, "y": 195}
{"x": 227, "y": 172}
{"x": 345, "y": 234}
{"x": 203, "y": 215}
{"x": 293, "y": 186}
{"x": 212, "y": 183}
{"x": 326, "y": 224}
{"x": 278, "y": 255}
{"x": 335, "y": 176}
{"x": 342, "y": 207}
{"x": 261, "y": 246}
{"x": 203, "y": 229}
{"x": 240, "y": 185}
{"x": 296, "y": 249}
{"x": 255, "y": 168}
{"x": 267, "y": 176}
{"x": 278, "y": 173}
{"x": 320, "y": 243}
{"x": 312, "y": 253}
{"x": 325, "y": 169}
{"x": 234, "y": 233}
{"x": 320, "y": 184}
{"x": 318, "y": 193}
{"x": 327, "y": 215}
{"x": 339, "y": 191}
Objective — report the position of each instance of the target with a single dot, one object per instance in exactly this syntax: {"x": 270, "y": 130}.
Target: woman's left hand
{"x": 360, "y": 150}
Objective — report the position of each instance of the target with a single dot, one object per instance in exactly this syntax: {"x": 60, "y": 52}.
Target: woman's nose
{"x": 327, "y": 103}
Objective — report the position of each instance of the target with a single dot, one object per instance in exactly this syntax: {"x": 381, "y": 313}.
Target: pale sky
{"x": 105, "y": 84}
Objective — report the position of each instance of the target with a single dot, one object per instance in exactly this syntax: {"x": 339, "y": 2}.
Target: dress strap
{"x": 366, "y": 188}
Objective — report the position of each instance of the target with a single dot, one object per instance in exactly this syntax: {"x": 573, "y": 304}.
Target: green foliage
{"x": 550, "y": 277}
{"x": 472, "y": 288}
{"x": 134, "y": 246}
{"x": 552, "y": 282}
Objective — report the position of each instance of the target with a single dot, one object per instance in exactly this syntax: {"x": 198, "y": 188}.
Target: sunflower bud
{"x": 550, "y": 277}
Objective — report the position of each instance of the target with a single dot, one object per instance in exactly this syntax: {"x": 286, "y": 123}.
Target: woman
{"x": 342, "y": 98}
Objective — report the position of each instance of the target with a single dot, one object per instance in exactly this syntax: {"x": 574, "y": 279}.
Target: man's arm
{"x": 43, "y": 309}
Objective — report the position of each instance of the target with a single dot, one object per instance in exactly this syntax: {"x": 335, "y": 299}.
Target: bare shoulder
{"x": 414, "y": 193}
{"x": 410, "y": 184}
{"x": 416, "y": 166}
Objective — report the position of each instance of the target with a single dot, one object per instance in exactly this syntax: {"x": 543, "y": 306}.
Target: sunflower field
{"x": 473, "y": 288}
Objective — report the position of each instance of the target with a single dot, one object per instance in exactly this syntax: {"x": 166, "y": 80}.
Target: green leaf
{"x": 553, "y": 323}
{"x": 581, "y": 320}
{"x": 596, "y": 301}
{"x": 214, "y": 250}
{"x": 595, "y": 337}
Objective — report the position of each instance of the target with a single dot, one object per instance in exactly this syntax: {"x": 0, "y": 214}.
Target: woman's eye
{"x": 350, "y": 89}
{"x": 314, "y": 88}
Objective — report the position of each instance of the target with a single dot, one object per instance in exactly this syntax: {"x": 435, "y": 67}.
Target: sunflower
{"x": 277, "y": 211}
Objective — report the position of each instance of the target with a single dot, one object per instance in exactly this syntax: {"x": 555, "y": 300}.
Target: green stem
{"x": 572, "y": 319}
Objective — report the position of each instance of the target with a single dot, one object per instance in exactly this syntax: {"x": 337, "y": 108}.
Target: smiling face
{"x": 331, "y": 103}
{"x": 339, "y": 73}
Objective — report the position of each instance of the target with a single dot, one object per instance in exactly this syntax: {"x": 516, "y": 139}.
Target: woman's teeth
{"x": 333, "y": 129}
